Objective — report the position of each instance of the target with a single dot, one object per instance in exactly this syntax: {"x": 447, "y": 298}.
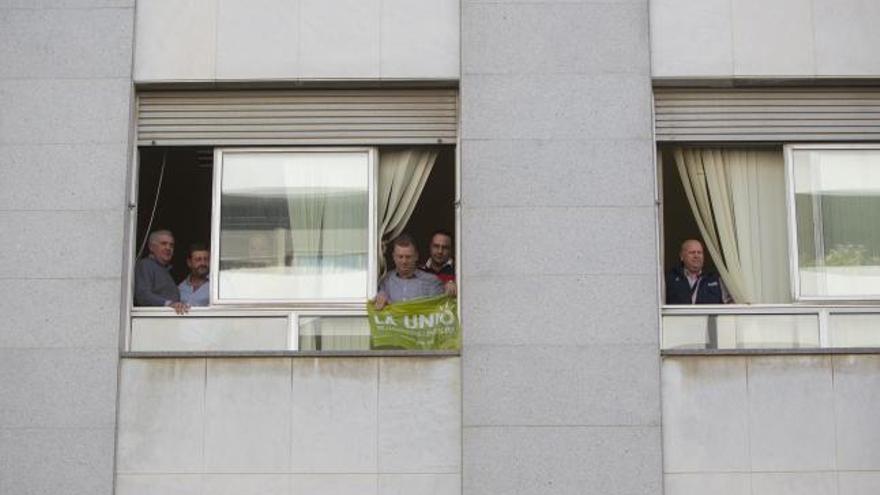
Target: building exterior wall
{"x": 208, "y": 40}
{"x": 759, "y": 425}
{"x": 759, "y": 39}
{"x": 558, "y": 389}
{"x": 290, "y": 426}
{"x": 65, "y": 93}
{"x": 561, "y": 390}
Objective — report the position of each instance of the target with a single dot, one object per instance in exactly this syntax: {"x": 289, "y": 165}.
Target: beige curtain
{"x": 738, "y": 200}
{"x": 402, "y": 176}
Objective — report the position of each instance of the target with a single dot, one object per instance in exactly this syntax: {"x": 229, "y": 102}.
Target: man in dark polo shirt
{"x": 687, "y": 283}
{"x": 153, "y": 285}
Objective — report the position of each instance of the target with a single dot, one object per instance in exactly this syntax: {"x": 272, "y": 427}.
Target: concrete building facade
{"x": 563, "y": 384}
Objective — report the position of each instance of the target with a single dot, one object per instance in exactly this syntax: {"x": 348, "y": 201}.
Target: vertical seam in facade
{"x": 205, "y": 418}
{"x": 290, "y": 399}
{"x": 378, "y": 415}
{"x": 815, "y": 56}
{"x": 381, "y": 67}
{"x": 832, "y": 360}
{"x": 216, "y": 38}
{"x": 748, "y": 361}
{"x": 732, "y": 41}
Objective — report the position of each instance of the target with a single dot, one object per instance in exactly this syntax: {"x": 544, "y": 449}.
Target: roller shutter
{"x": 305, "y": 116}
{"x": 812, "y": 114}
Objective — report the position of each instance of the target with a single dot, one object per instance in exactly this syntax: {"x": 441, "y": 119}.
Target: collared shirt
{"x": 421, "y": 284}
{"x": 694, "y": 280}
{"x": 153, "y": 285}
{"x": 445, "y": 273}
{"x": 198, "y": 297}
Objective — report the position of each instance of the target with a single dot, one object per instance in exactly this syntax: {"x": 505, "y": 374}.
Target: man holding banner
{"x": 406, "y": 282}
{"x": 410, "y": 310}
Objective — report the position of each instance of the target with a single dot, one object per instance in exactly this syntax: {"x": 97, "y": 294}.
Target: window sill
{"x": 292, "y": 354}
{"x": 769, "y": 352}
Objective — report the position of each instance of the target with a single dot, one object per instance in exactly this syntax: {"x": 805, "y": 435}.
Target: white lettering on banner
{"x": 389, "y": 320}
{"x": 429, "y": 321}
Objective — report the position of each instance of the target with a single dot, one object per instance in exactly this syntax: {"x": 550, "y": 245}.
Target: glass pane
{"x": 685, "y": 332}
{"x": 293, "y": 226}
{"x": 854, "y": 330}
{"x": 836, "y": 193}
{"x": 334, "y": 333}
{"x": 741, "y": 331}
{"x": 211, "y": 333}
{"x": 767, "y": 331}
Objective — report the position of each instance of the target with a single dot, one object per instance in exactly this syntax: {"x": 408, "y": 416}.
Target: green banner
{"x": 429, "y": 323}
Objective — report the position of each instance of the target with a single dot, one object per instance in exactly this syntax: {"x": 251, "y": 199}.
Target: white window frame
{"x": 330, "y": 304}
{"x": 794, "y": 268}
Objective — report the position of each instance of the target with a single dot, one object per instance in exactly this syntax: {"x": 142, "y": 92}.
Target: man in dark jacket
{"x": 688, "y": 284}
{"x": 153, "y": 285}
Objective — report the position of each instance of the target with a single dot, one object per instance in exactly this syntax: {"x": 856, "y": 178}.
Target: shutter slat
{"x": 813, "y": 114}
{"x": 369, "y": 116}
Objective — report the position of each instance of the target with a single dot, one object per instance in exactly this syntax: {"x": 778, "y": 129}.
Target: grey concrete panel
{"x": 339, "y": 39}
{"x": 60, "y": 244}
{"x": 704, "y": 483}
{"x": 272, "y": 54}
{"x": 563, "y": 461}
{"x": 246, "y": 484}
{"x": 859, "y": 483}
{"x": 561, "y": 385}
{"x": 772, "y": 38}
{"x": 175, "y": 40}
{"x": 821, "y": 483}
{"x": 66, "y": 43}
{"x": 559, "y": 38}
{"x": 691, "y": 38}
{"x": 152, "y": 484}
{"x": 574, "y": 310}
{"x": 335, "y": 407}
{"x": 57, "y": 388}
{"x": 557, "y": 173}
{"x": 247, "y": 415}
{"x": 161, "y": 416}
{"x": 422, "y": 484}
{"x": 856, "y": 402}
{"x": 556, "y": 106}
{"x": 847, "y": 37}
{"x": 420, "y": 39}
{"x": 60, "y": 313}
{"x": 558, "y": 241}
{"x": 56, "y": 461}
{"x": 334, "y": 484}
{"x": 94, "y": 177}
{"x": 791, "y": 413}
{"x": 75, "y": 111}
{"x": 64, "y": 4}
{"x": 705, "y": 416}
{"x": 419, "y": 415}
{"x": 553, "y": 1}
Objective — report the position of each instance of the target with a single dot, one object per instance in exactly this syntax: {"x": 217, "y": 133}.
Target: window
{"x": 835, "y": 198}
{"x": 791, "y": 229}
{"x": 294, "y": 226}
{"x": 296, "y": 236}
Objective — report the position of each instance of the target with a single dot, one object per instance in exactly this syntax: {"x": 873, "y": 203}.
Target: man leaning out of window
{"x": 688, "y": 283}
{"x": 406, "y": 281}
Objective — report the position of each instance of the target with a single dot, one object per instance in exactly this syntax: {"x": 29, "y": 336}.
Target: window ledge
{"x": 293, "y": 354}
{"x": 769, "y": 352}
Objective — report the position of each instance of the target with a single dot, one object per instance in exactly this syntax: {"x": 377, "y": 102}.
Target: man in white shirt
{"x": 195, "y": 289}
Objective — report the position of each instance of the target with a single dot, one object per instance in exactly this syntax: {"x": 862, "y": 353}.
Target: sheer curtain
{"x": 738, "y": 200}
{"x": 402, "y": 177}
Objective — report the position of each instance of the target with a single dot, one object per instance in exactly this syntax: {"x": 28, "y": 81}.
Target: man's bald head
{"x": 691, "y": 255}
